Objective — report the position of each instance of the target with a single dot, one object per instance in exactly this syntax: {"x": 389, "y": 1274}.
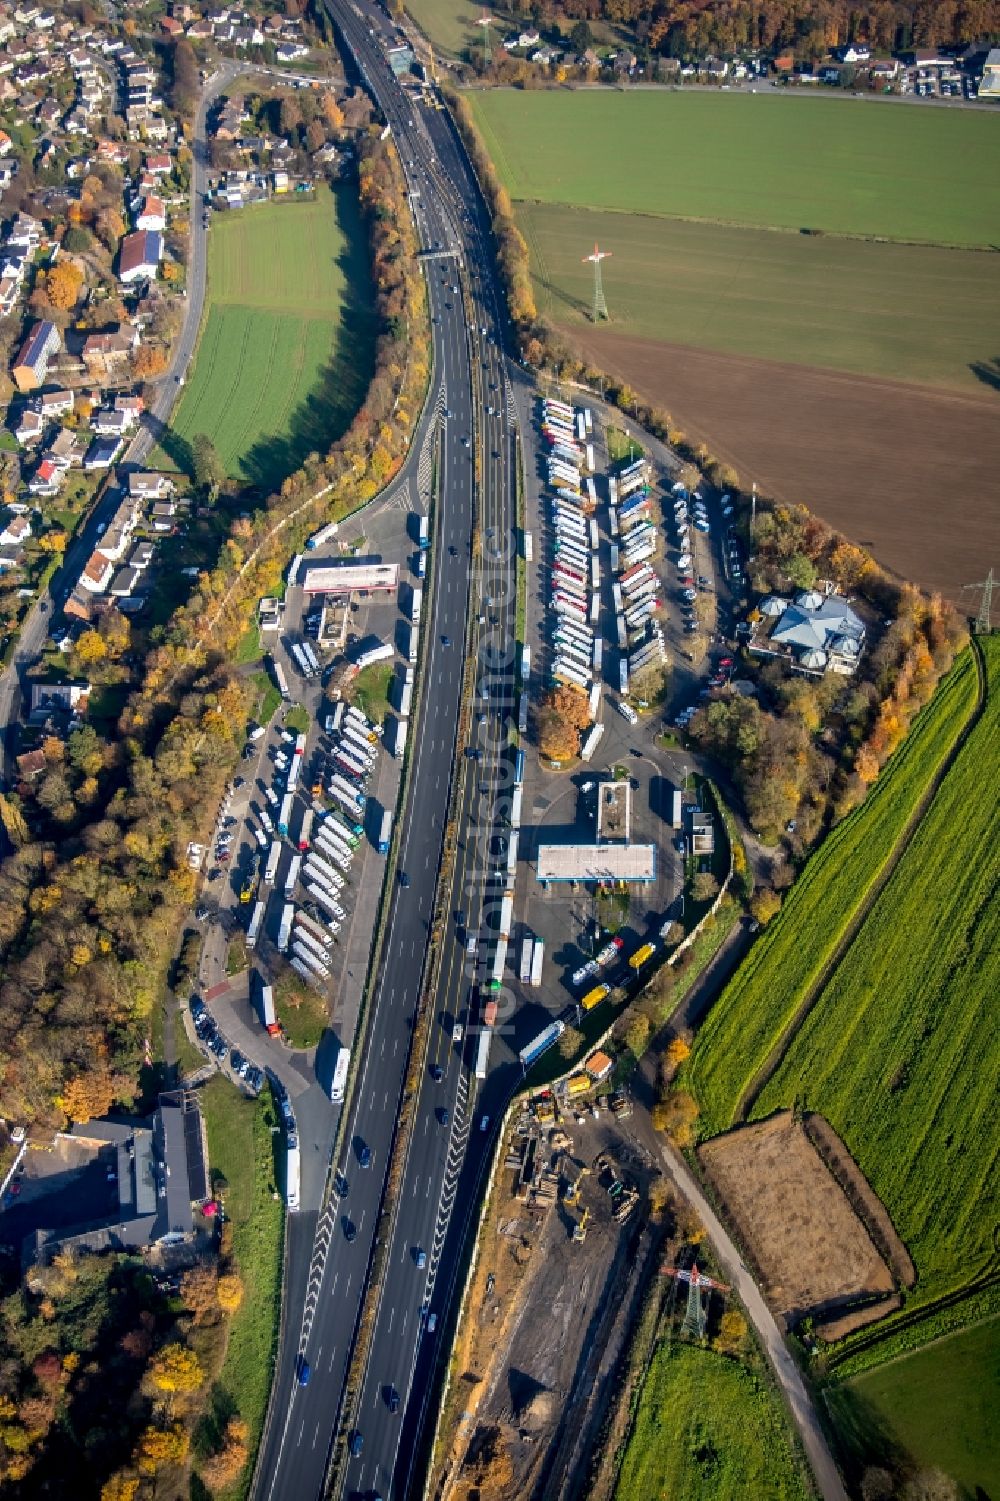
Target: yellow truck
{"x": 595, "y": 997}
{"x": 642, "y": 956}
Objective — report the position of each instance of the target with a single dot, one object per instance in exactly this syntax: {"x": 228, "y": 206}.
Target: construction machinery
{"x": 572, "y": 1194}
{"x": 580, "y": 1228}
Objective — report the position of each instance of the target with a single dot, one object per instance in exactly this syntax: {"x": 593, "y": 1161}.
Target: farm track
{"x": 831, "y": 964}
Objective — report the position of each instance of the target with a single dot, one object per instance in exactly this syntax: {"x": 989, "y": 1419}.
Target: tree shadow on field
{"x": 327, "y": 411}
{"x": 863, "y": 1438}
{"x": 987, "y": 371}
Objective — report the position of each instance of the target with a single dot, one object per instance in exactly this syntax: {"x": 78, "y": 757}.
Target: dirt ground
{"x": 543, "y": 1323}
{"x": 811, "y": 1251}
{"x": 908, "y": 471}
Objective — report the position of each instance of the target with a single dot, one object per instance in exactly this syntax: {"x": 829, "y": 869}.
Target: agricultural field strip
{"x": 732, "y": 1440}
{"x": 844, "y": 944}
{"x": 901, "y": 1050}
{"x": 899, "y": 173}
{"x": 758, "y": 1005}
{"x": 744, "y": 290}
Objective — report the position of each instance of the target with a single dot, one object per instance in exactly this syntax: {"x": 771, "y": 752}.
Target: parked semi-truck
{"x": 423, "y": 532}
{"x": 340, "y": 1070}
{"x": 267, "y": 1013}
{"x": 415, "y": 603}
{"x": 285, "y": 928}
{"x": 385, "y": 833}
{"x": 271, "y": 868}
{"x": 541, "y": 1044}
{"x": 324, "y": 535}
{"x": 256, "y": 919}
{"x": 483, "y": 1053}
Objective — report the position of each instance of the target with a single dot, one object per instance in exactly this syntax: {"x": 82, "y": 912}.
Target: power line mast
{"x": 982, "y": 626}
{"x": 486, "y": 21}
{"x": 696, "y": 1313}
{"x": 600, "y": 308}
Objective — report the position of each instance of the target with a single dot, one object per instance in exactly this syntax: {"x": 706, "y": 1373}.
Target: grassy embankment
{"x": 241, "y": 1148}
{"x": 707, "y": 1425}
{"x": 286, "y": 350}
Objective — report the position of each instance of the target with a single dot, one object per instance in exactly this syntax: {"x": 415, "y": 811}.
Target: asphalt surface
{"x": 320, "y": 1328}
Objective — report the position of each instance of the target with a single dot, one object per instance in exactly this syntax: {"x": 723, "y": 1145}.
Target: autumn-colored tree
{"x": 177, "y": 1369}
{"x": 221, "y": 1469}
{"x": 148, "y": 361}
{"x": 637, "y": 1032}
{"x": 230, "y": 1292}
{"x": 332, "y": 113}
{"x": 199, "y": 1287}
{"x": 63, "y": 283}
{"x": 764, "y": 905}
{"x": 90, "y": 648}
{"x": 704, "y": 887}
{"x": 110, "y": 227}
{"x": 121, "y": 1486}
{"x": 563, "y": 713}
{"x": 732, "y": 1332}
{"x": 570, "y": 1043}
{"x": 88, "y": 1096}
{"x": 159, "y": 1447}
{"x": 675, "y": 1116}
{"x": 678, "y": 1050}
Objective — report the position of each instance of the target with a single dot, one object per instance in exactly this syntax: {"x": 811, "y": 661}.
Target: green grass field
{"x": 240, "y": 1146}
{"x": 756, "y": 1008}
{"x": 902, "y": 1051}
{"x": 940, "y": 1404}
{"x": 448, "y": 24}
{"x": 707, "y": 1426}
{"x": 845, "y": 304}
{"x": 841, "y": 166}
{"x": 286, "y": 350}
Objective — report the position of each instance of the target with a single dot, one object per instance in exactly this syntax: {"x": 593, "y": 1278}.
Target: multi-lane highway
{"x": 473, "y": 603}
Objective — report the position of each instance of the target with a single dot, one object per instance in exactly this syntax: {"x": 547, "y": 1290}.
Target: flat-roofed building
{"x": 598, "y": 863}
{"x": 350, "y": 577}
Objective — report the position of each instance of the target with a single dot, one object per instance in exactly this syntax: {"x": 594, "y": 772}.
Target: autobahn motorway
{"x": 323, "y": 1298}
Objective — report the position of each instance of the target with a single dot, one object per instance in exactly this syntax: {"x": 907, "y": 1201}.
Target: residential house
{"x": 132, "y": 406}
{"x": 141, "y": 556}
{"x": 10, "y": 290}
{"x": 112, "y": 151}
{"x": 290, "y": 52}
{"x": 16, "y": 532}
{"x": 139, "y": 256}
{"x": 30, "y": 427}
{"x": 145, "y": 486}
{"x": 171, "y": 27}
{"x": 152, "y": 215}
{"x": 58, "y": 698}
{"x": 105, "y": 354}
{"x": 124, "y": 583}
{"x": 159, "y": 166}
{"x": 101, "y": 454}
{"x": 32, "y": 364}
{"x": 280, "y": 181}
{"x": 97, "y": 571}
{"x": 52, "y": 404}
{"x": 31, "y": 765}
{"x": 47, "y": 479}
{"x": 111, "y": 423}
{"x": 854, "y": 52}
{"x": 66, "y": 449}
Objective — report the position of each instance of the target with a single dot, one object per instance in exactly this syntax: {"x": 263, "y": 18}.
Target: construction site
{"x": 573, "y": 1231}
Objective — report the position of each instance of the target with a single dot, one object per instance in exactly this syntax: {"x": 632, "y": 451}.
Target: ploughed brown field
{"x": 911, "y": 472}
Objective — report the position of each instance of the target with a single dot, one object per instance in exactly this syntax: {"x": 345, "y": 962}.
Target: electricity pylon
{"x": 696, "y": 1314}
{"x": 600, "y": 308}
{"x": 486, "y": 21}
{"x": 986, "y": 604}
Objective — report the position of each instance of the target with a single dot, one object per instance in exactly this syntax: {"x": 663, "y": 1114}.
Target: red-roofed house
{"x": 152, "y": 215}
{"x": 159, "y": 165}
